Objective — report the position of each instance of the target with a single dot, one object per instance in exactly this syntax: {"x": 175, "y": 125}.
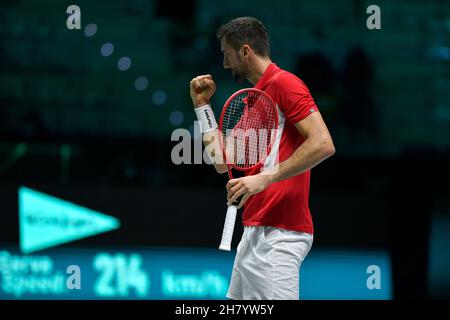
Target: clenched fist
{"x": 202, "y": 89}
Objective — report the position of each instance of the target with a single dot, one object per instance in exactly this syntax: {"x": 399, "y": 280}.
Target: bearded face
{"x": 232, "y": 61}
{"x": 240, "y": 72}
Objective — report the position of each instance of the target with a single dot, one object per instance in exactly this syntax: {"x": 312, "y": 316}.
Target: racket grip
{"x": 228, "y": 228}
{"x": 238, "y": 200}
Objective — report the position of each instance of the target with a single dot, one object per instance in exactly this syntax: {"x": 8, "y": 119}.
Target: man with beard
{"x": 278, "y": 228}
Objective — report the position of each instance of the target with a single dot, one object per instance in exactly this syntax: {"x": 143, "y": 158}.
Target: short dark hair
{"x": 246, "y": 30}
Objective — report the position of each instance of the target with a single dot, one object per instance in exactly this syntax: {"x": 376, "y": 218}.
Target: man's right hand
{"x": 202, "y": 88}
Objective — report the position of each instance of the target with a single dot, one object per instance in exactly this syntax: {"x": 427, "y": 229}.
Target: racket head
{"x": 248, "y": 126}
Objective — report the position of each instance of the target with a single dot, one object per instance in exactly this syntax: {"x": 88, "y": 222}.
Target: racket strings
{"x": 248, "y": 127}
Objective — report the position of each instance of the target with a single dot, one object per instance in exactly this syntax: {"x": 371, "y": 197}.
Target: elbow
{"x": 327, "y": 149}
{"x": 221, "y": 168}
{"x": 330, "y": 150}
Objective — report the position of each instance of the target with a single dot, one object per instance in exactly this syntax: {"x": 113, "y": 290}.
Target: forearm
{"x": 201, "y": 90}
{"x": 308, "y": 155}
{"x": 211, "y": 141}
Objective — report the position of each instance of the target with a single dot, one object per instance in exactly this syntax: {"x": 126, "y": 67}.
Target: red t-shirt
{"x": 283, "y": 204}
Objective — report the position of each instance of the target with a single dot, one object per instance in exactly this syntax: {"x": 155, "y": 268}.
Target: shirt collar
{"x": 266, "y": 75}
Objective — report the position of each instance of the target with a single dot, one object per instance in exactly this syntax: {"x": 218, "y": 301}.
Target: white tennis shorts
{"x": 267, "y": 264}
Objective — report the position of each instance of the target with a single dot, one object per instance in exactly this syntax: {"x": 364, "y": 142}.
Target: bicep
{"x": 313, "y": 127}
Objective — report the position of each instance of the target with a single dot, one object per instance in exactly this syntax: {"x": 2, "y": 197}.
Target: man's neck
{"x": 258, "y": 68}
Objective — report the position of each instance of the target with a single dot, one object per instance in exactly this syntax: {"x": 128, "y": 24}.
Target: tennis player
{"x": 278, "y": 228}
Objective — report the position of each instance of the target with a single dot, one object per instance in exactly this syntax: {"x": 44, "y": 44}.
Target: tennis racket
{"x": 248, "y": 126}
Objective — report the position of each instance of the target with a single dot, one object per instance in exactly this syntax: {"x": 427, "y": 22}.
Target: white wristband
{"x": 206, "y": 118}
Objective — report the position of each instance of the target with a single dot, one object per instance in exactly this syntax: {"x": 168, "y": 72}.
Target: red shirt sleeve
{"x": 293, "y": 97}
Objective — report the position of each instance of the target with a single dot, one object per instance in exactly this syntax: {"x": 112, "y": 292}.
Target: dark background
{"x": 74, "y": 126}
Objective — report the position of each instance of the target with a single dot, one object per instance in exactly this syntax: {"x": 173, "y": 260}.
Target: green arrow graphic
{"x": 46, "y": 221}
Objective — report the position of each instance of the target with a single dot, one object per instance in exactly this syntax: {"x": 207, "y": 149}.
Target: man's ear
{"x": 245, "y": 50}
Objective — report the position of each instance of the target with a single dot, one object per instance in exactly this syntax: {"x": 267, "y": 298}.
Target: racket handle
{"x": 228, "y": 228}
